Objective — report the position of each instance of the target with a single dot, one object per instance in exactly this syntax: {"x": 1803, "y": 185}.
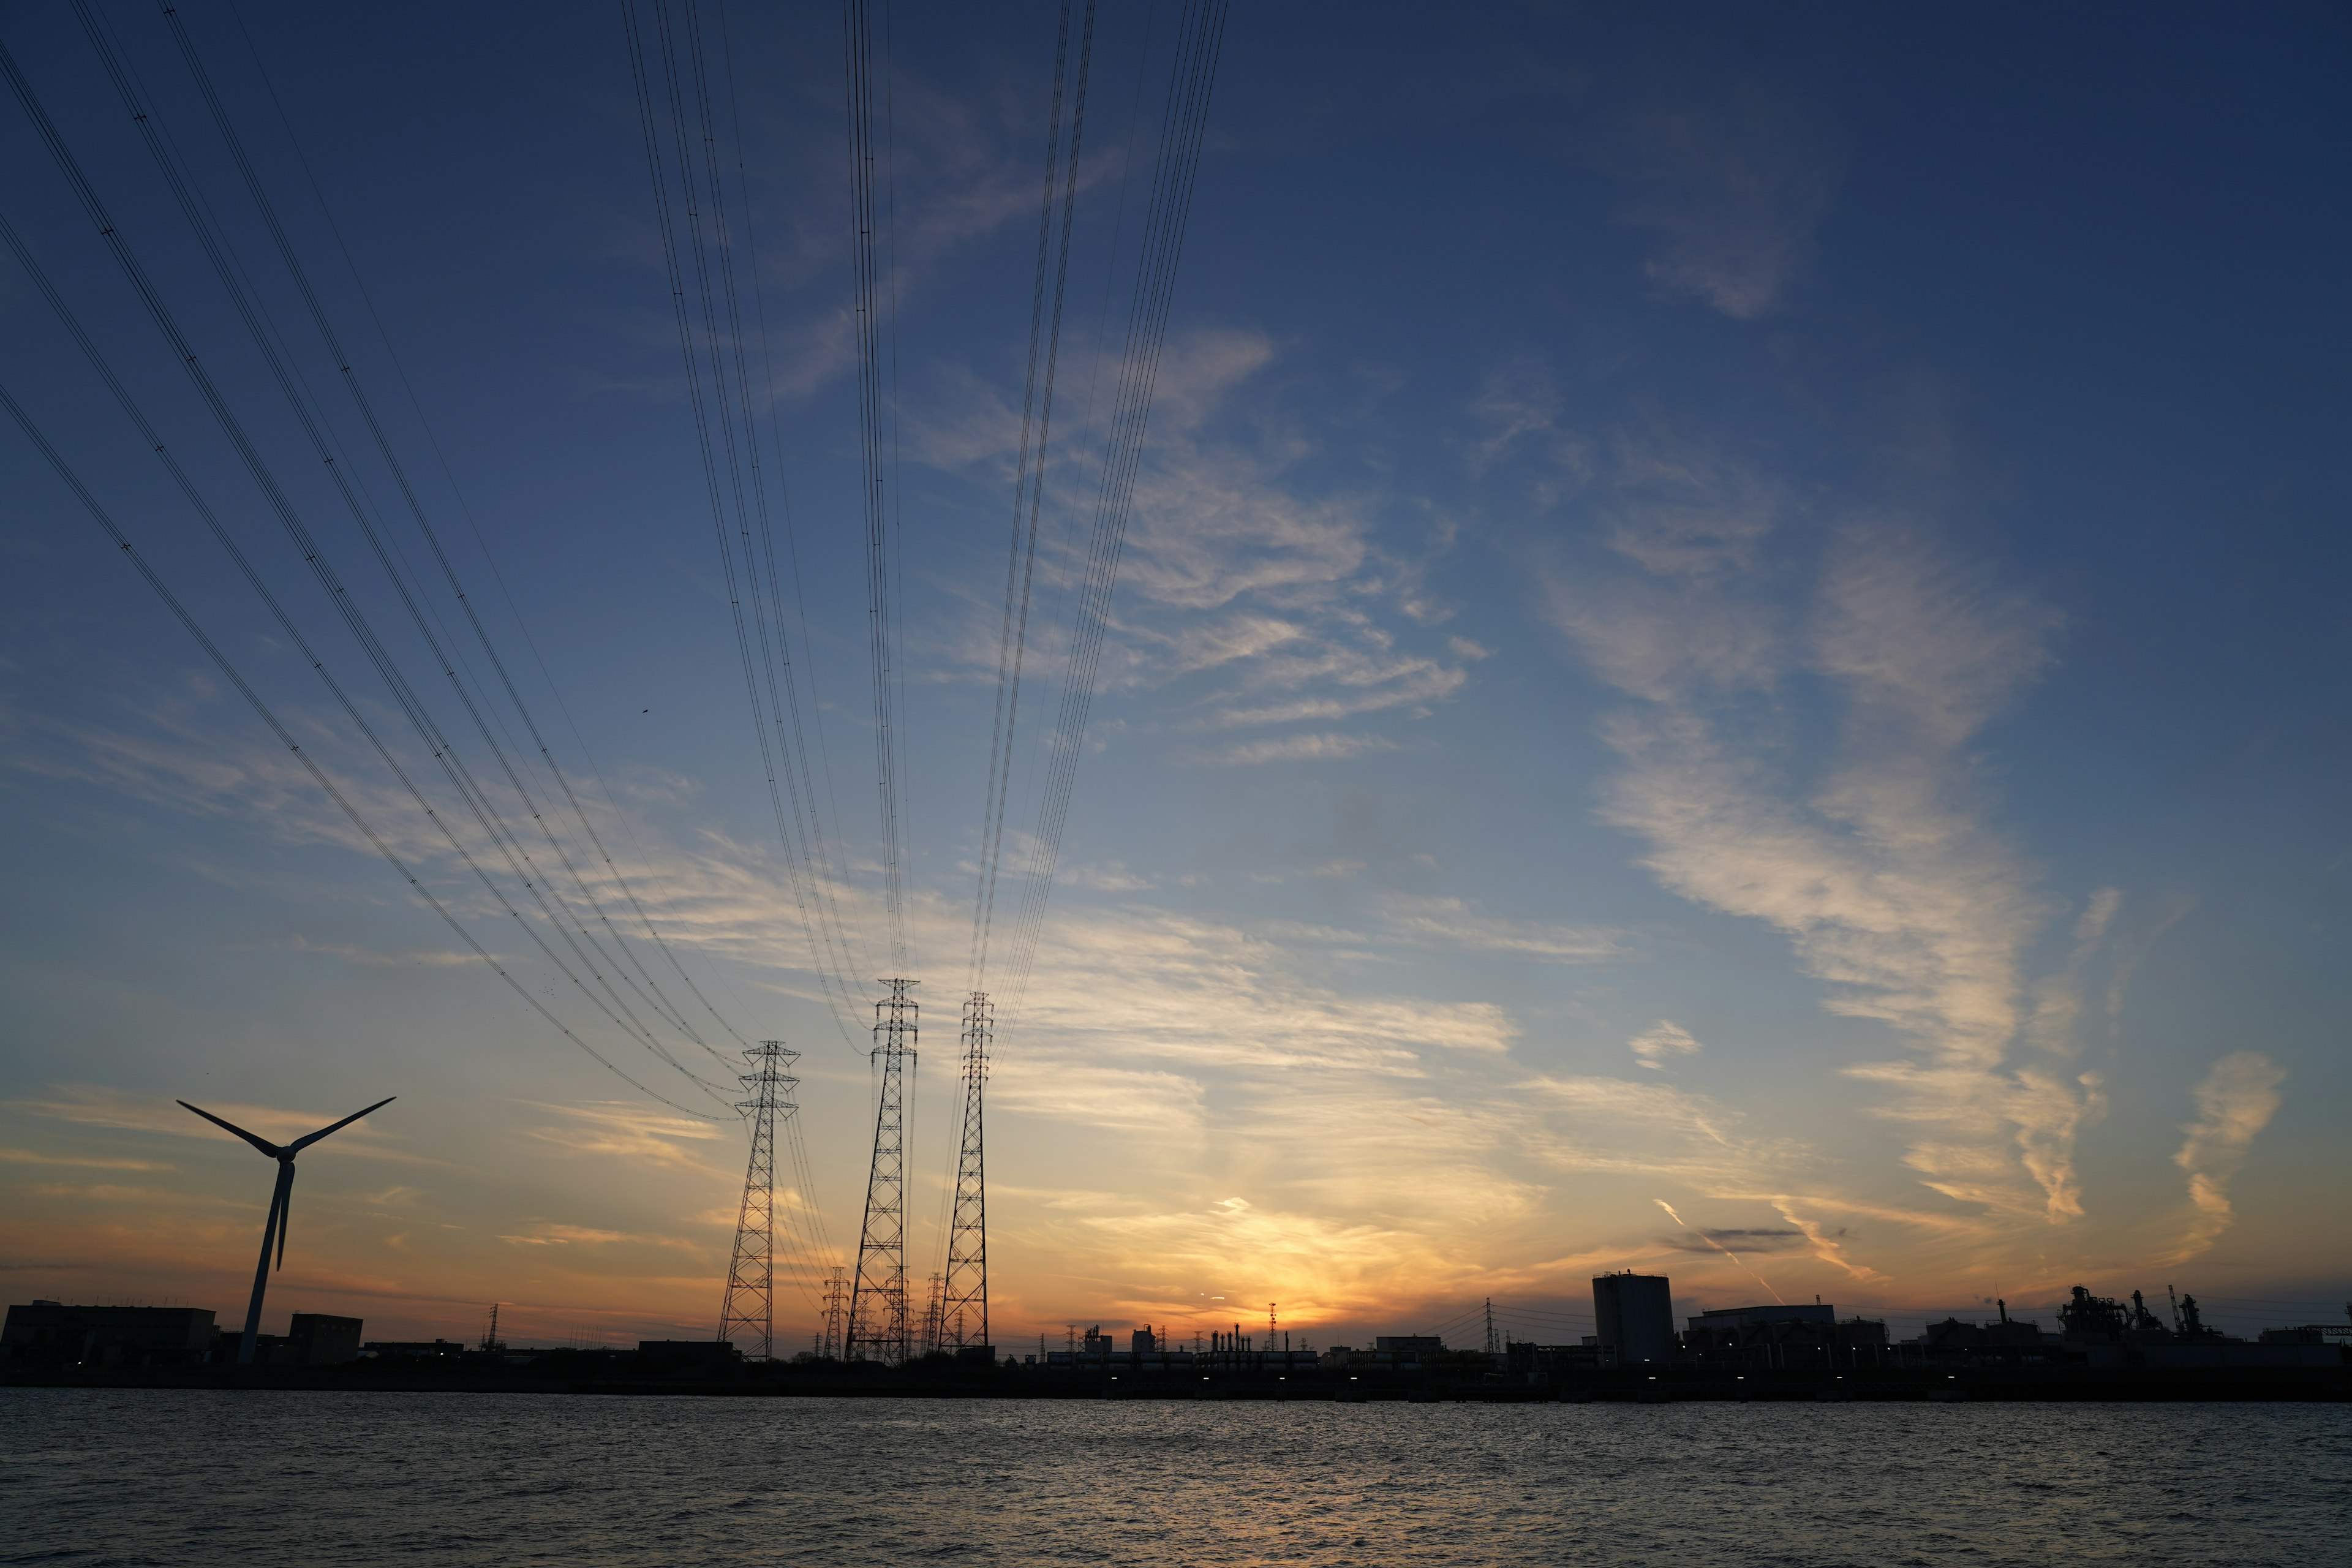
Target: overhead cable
{"x": 857, "y": 53}
{"x": 289, "y": 518}
{"x": 771, "y": 601}
{"x": 319, "y": 775}
{"x": 479, "y": 802}
{"x": 656, "y": 1002}
{"x": 715, "y": 438}
{"x": 441, "y": 459}
{"x": 1030, "y": 471}
{"x": 1183, "y": 121}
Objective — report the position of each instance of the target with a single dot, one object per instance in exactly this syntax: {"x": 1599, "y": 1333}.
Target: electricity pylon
{"x": 934, "y": 1336}
{"x": 878, "y": 1291}
{"x": 836, "y": 1310}
{"x": 964, "y": 1307}
{"x": 749, "y": 1304}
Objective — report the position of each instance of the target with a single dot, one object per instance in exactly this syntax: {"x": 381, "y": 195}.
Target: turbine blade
{"x": 285, "y": 1214}
{"x": 278, "y": 1197}
{"x": 266, "y": 1147}
{"x": 305, "y": 1141}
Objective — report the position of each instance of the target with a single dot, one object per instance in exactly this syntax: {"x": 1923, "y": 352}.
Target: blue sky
{"x": 1727, "y": 661}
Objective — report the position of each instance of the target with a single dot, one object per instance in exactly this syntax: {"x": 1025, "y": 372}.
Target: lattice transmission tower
{"x": 878, "y": 1329}
{"x": 836, "y": 1312}
{"x": 930, "y": 1340}
{"x": 749, "y": 1304}
{"x": 964, "y": 1305}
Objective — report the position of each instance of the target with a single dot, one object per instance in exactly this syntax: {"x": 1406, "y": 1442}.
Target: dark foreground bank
{"x": 623, "y": 1373}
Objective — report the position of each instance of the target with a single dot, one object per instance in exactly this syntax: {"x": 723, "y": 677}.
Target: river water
{"x": 264, "y": 1477}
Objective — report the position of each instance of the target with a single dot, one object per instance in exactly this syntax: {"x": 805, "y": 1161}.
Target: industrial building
{"x": 1151, "y": 1350}
{"x": 1634, "y": 1314}
{"x": 318, "y": 1339}
{"x": 1390, "y": 1353}
{"x": 57, "y": 1334}
{"x": 1781, "y": 1336}
{"x": 412, "y": 1350}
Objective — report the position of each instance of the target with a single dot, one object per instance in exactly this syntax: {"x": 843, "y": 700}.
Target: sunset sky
{"x": 1730, "y": 661}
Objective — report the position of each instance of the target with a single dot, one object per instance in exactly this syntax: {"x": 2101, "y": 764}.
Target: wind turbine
{"x": 273, "y": 1232}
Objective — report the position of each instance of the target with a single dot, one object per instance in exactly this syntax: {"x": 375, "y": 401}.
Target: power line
{"x": 1185, "y": 118}
{"x": 1029, "y": 474}
{"x": 319, "y": 775}
{"x": 780, "y": 680}
{"x": 194, "y": 498}
{"x": 657, "y": 1002}
{"x": 473, "y": 526}
{"x": 857, "y": 55}
{"x": 479, "y": 804}
{"x": 831, "y": 875}
{"x": 826, "y": 962}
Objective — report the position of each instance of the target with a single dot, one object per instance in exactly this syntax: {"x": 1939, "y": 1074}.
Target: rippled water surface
{"x": 107, "y": 1477}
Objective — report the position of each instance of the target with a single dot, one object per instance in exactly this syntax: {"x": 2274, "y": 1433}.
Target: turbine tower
{"x": 749, "y": 1304}
{"x": 878, "y": 1291}
{"x": 281, "y": 1198}
{"x": 965, "y": 1308}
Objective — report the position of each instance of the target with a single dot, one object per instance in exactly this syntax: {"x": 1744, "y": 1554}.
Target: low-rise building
{"x": 59, "y": 1333}
{"x": 318, "y": 1339}
{"x": 1783, "y": 1335}
{"x": 391, "y": 1350}
{"x": 682, "y": 1355}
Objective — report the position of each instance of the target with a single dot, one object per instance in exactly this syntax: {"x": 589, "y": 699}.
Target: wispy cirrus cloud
{"x": 2235, "y": 1102}
{"x": 550, "y": 1233}
{"x": 1883, "y": 865}
{"x": 1451, "y": 923}
{"x": 1661, "y": 1042}
{"x": 1249, "y": 597}
{"x": 1319, "y": 746}
{"x": 86, "y": 1162}
{"x": 633, "y": 1131}
{"x": 1732, "y": 191}
{"x": 373, "y": 959}
{"x": 1203, "y": 993}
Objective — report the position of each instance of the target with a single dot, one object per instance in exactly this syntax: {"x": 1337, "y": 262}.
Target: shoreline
{"x": 1977, "y": 1384}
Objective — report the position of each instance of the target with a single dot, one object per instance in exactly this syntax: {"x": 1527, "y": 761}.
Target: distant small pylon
{"x": 934, "y": 1318}
{"x": 1493, "y": 1345}
{"x": 836, "y": 1310}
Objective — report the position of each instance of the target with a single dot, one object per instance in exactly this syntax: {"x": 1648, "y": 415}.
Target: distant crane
{"x": 281, "y": 1198}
